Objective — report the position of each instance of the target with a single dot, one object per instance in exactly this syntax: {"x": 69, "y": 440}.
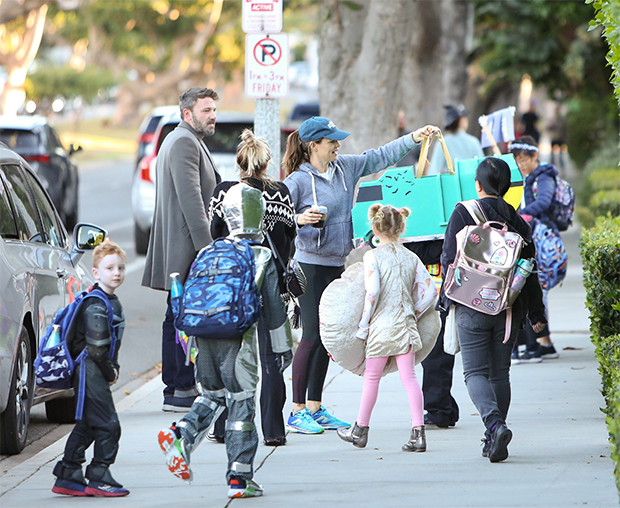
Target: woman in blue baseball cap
{"x": 322, "y": 185}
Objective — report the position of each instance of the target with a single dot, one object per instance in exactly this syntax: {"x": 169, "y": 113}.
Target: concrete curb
{"x": 20, "y": 473}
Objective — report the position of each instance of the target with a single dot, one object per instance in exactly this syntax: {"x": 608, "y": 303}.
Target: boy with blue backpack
{"x": 220, "y": 307}
{"x": 94, "y": 335}
{"x": 548, "y": 204}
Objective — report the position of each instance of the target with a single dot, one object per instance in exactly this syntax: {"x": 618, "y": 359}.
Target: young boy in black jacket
{"x": 99, "y": 423}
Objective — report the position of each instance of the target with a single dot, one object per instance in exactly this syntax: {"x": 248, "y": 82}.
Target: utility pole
{"x": 266, "y": 70}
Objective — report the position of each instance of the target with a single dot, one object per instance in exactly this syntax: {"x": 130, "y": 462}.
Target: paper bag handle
{"x": 426, "y": 143}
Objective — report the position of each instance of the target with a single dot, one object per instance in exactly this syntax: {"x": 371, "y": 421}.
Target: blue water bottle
{"x": 54, "y": 339}
{"x": 176, "y": 292}
{"x": 522, "y": 272}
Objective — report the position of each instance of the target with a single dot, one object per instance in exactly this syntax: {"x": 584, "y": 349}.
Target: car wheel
{"x": 61, "y": 410}
{"x": 373, "y": 241}
{"x": 16, "y": 417}
{"x": 141, "y": 238}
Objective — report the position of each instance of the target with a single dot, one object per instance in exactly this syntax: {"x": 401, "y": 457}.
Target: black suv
{"x": 37, "y": 142}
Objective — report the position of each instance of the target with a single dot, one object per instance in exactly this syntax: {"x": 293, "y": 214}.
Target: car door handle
{"x": 61, "y": 273}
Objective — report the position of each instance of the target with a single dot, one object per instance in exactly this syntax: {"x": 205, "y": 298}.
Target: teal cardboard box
{"x": 431, "y": 199}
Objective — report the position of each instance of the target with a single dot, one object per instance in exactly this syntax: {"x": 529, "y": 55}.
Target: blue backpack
{"x": 551, "y": 256}
{"x": 220, "y": 298}
{"x": 54, "y": 366}
{"x": 563, "y": 203}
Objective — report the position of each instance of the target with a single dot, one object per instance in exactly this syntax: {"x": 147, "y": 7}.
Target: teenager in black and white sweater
{"x": 253, "y": 156}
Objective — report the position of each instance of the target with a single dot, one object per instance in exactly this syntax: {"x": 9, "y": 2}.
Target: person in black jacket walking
{"x": 485, "y": 350}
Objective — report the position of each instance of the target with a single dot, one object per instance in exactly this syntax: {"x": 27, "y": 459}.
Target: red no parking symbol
{"x": 267, "y": 52}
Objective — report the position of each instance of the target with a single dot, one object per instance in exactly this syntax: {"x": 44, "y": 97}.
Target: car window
{"x": 226, "y": 137}
{"x": 25, "y": 209}
{"x": 165, "y": 130}
{"x": 54, "y": 140}
{"x": 8, "y": 228}
{"x": 19, "y": 138}
{"x": 153, "y": 123}
{"x": 53, "y": 231}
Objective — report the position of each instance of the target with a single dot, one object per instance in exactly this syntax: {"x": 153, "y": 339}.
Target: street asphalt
{"x": 559, "y": 456}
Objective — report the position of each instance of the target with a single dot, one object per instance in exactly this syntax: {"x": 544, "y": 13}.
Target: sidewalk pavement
{"x": 559, "y": 456}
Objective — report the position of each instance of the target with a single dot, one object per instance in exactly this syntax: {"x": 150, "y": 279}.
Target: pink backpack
{"x": 481, "y": 274}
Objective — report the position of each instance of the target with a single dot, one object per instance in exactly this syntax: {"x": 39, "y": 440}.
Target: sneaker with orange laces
{"x": 175, "y": 450}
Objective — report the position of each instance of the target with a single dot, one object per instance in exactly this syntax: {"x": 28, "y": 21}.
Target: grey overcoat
{"x": 186, "y": 177}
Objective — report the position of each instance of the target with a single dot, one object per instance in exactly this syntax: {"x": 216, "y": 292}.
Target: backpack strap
{"x": 275, "y": 251}
{"x": 475, "y": 210}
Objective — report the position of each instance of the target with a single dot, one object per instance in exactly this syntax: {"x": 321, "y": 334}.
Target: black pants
{"x": 272, "y": 392}
{"x": 99, "y": 423}
{"x": 178, "y": 377}
{"x": 437, "y": 383}
{"x": 311, "y": 359}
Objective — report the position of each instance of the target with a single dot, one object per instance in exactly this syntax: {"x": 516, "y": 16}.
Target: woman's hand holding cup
{"x": 315, "y": 216}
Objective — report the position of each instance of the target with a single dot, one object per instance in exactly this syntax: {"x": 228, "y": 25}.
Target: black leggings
{"x": 311, "y": 359}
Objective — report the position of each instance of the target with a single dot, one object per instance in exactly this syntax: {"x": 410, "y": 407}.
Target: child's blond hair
{"x": 105, "y": 249}
{"x": 388, "y": 220}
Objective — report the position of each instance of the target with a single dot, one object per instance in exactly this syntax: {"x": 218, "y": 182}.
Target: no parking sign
{"x": 266, "y": 65}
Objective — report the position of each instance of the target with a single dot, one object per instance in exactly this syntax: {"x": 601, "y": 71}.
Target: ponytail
{"x": 296, "y": 153}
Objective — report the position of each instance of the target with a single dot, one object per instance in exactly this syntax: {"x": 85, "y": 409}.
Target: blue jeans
{"x": 178, "y": 378}
{"x": 486, "y": 361}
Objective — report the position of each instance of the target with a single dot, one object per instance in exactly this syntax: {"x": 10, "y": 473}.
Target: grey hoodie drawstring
{"x": 315, "y": 204}
{"x": 344, "y": 182}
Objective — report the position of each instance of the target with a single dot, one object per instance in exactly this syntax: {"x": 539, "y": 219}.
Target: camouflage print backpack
{"x": 220, "y": 298}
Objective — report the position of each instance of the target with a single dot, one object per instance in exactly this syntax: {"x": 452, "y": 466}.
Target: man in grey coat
{"x": 186, "y": 177}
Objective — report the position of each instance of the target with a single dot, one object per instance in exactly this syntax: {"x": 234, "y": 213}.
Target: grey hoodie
{"x": 331, "y": 245}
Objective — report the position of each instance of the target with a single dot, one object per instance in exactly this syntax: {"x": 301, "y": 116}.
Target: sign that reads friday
{"x": 266, "y": 65}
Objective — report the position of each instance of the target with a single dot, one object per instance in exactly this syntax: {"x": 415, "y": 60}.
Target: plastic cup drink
{"x": 323, "y": 211}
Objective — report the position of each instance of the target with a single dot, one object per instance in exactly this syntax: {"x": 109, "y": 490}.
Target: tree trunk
{"x": 407, "y": 55}
{"x": 18, "y": 59}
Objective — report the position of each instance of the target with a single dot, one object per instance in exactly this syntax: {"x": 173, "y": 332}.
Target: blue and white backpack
{"x": 220, "y": 298}
{"x": 551, "y": 256}
{"x": 54, "y": 366}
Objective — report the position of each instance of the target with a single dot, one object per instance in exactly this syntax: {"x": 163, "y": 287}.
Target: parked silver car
{"x": 222, "y": 145}
{"x": 40, "y": 273}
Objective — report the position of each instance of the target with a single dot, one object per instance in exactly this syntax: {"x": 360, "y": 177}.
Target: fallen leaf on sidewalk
{"x": 571, "y": 348}
{"x": 127, "y": 392}
{"x": 577, "y": 368}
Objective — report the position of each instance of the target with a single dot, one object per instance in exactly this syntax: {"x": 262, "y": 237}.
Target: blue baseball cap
{"x": 318, "y": 127}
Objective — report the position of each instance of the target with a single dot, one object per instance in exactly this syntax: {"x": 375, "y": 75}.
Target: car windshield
{"x": 18, "y": 138}
{"x": 225, "y": 140}
{"x": 226, "y": 137}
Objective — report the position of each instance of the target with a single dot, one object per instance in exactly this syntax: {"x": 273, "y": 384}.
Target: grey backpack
{"x": 481, "y": 274}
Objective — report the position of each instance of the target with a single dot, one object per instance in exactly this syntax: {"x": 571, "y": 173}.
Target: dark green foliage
{"x": 600, "y": 251}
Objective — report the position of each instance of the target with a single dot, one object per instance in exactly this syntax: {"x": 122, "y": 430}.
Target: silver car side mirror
{"x": 86, "y": 237}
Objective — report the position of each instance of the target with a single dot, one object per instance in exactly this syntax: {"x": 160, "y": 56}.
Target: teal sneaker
{"x": 302, "y": 422}
{"x": 328, "y": 421}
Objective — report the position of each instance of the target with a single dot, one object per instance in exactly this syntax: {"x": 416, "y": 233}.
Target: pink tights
{"x": 372, "y": 376}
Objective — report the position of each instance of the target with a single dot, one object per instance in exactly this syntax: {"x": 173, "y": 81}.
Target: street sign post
{"x": 266, "y": 70}
{"x": 262, "y": 16}
{"x": 266, "y": 65}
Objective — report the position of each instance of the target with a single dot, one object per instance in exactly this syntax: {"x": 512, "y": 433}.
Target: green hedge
{"x": 613, "y": 426}
{"x": 599, "y": 195}
{"x": 600, "y": 250}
